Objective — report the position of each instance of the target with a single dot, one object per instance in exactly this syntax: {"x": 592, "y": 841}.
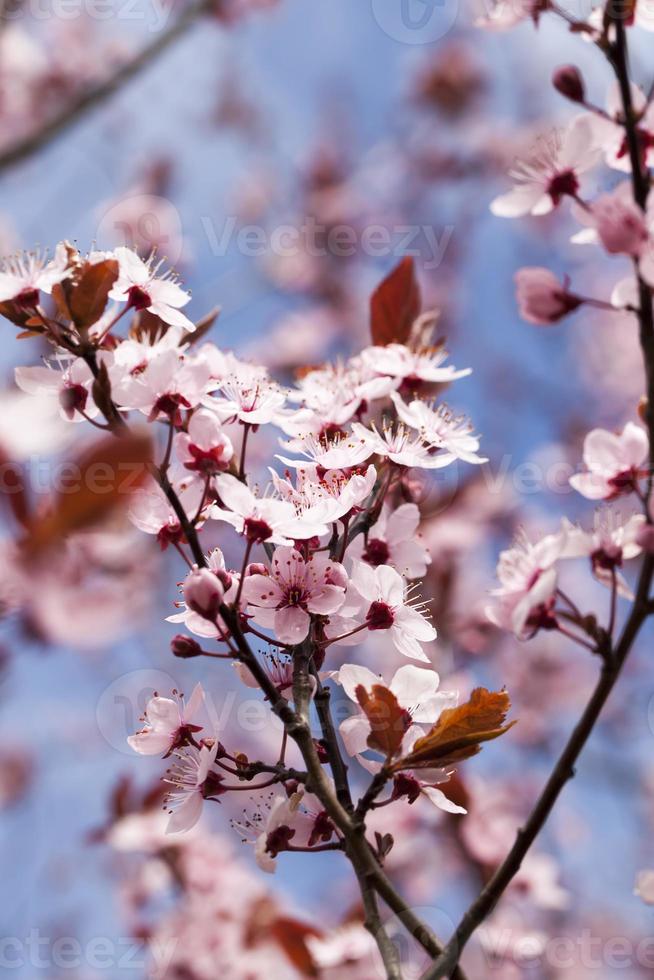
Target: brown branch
{"x": 615, "y": 658}
{"x": 95, "y": 95}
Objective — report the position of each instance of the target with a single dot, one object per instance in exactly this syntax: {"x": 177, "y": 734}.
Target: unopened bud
{"x": 569, "y": 82}
{"x": 185, "y": 646}
{"x": 203, "y": 593}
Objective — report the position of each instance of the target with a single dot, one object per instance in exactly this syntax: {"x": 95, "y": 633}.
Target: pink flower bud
{"x": 185, "y": 646}
{"x": 569, "y": 82}
{"x": 203, "y": 593}
{"x": 620, "y": 225}
{"x": 542, "y": 299}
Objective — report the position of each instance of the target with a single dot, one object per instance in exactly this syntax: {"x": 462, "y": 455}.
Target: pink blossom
{"x": 167, "y": 385}
{"x": 607, "y": 131}
{"x": 551, "y": 173}
{"x": 258, "y": 518}
{"x": 70, "y": 380}
{"x": 192, "y": 619}
{"x": 294, "y": 589}
{"x": 338, "y": 452}
{"x": 141, "y": 285}
{"x": 290, "y": 821}
{"x": 404, "y": 364}
{"x": 204, "y": 448}
{"x": 528, "y": 580}
{"x": 614, "y": 462}
{"x": 438, "y": 426}
{"x": 542, "y": 299}
{"x": 403, "y": 446}
{"x": 381, "y": 597}
{"x": 394, "y": 540}
{"x": 249, "y": 397}
{"x": 611, "y": 542}
{"x": 24, "y": 276}
{"x": 319, "y": 500}
{"x": 168, "y": 722}
{"x": 192, "y": 782}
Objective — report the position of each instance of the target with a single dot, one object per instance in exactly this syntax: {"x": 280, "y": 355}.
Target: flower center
{"x": 73, "y": 399}
{"x": 206, "y": 461}
{"x": 562, "y": 184}
{"x": 380, "y": 616}
{"x": 170, "y": 405}
{"x": 257, "y": 530}
{"x": 138, "y": 298}
{"x": 377, "y": 552}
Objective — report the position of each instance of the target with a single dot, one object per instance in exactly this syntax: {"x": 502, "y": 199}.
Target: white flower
{"x": 607, "y": 131}
{"x": 402, "y": 363}
{"x": 339, "y": 452}
{"x": 72, "y": 385}
{"x": 394, "y": 540}
{"x": 608, "y": 545}
{"x": 441, "y": 428}
{"x": 249, "y": 397}
{"x": 528, "y": 578}
{"x": 551, "y": 173}
{"x": 140, "y": 284}
{"x": 167, "y": 723}
{"x": 24, "y": 276}
{"x": 295, "y": 588}
{"x": 167, "y": 385}
{"x": 614, "y": 462}
{"x": 204, "y": 448}
{"x": 383, "y": 605}
{"x": 192, "y": 783}
{"x": 403, "y": 446}
{"x": 320, "y": 500}
{"x": 258, "y": 518}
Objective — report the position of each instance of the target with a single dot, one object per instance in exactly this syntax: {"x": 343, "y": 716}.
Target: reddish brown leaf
{"x": 394, "y": 305}
{"x": 291, "y": 936}
{"x": 96, "y": 484}
{"x": 88, "y": 298}
{"x": 459, "y": 732}
{"x": 388, "y": 721}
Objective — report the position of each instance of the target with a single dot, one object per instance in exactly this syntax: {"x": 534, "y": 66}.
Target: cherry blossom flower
{"x": 192, "y": 782}
{"x": 151, "y": 512}
{"x": 257, "y": 518}
{"x": 528, "y": 580}
{"x": 319, "y": 500}
{"x": 25, "y": 276}
{"x": 204, "y": 448}
{"x": 505, "y": 14}
{"x": 70, "y": 380}
{"x": 30, "y": 424}
{"x": 611, "y": 542}
{"x": 608, "y": 133}
{"x": 295, "y": 588}
{"x": 542, "y": 299}
{"x": 394, "y": 540}
{"x": 381, "y": 597}
{"x": 551, "y": 173}
{"x": 298, "y": 820}
{"x": 614, "y": 462}
{"x": 403, "y": 446}
{"x": 130, "y": 358}
{"x": 438, "y": 426}
{"x": 339, "y": 452}
{"x": 332, "y": 395}
{"x": 168, "y": 384}
{"x": 141, "y": 285}
{"x": 404, "y": 364}
{"x": 616, "y": 222}
{"x": 168, "y": 723}
{"x": 248, "y": 397}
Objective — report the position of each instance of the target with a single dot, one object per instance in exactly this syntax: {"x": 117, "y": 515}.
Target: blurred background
{"x": 283, "y": 156}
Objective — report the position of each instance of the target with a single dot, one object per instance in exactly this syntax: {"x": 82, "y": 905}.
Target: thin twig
{"x": 96, "y": 95}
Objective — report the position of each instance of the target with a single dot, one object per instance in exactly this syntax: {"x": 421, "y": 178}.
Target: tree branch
{"x": 95, "y": 95}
